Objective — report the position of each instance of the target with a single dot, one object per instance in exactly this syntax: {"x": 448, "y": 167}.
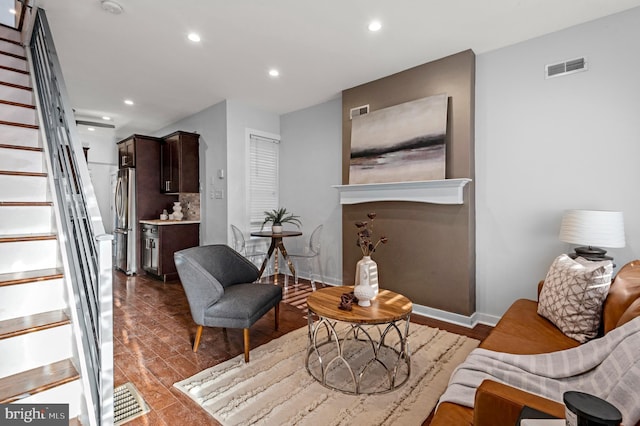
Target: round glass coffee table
{"x": 362, "y": 351}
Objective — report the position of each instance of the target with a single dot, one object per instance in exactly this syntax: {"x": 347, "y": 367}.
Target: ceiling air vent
{"x": 566, "y": 67}
{"x": 357, "y": 111}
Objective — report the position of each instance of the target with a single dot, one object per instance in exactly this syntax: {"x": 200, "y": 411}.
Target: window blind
{"x": 263, "y": 178}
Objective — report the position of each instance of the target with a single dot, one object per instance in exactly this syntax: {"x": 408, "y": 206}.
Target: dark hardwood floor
{"x": 153, "y": 336}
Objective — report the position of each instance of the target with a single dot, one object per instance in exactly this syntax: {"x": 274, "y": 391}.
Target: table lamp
{"x": 592, "y": 229}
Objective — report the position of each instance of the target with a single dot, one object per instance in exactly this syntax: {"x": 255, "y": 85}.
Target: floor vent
{"x": 127, "y": 404}
{"x": 566, "y": 67}
{"x": 358, "y": 111}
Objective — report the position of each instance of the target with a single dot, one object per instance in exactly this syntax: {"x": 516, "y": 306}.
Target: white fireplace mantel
{"x": 447, "y": 191}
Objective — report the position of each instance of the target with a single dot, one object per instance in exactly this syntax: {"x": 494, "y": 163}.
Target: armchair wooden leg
{"x": 196, "y": 343}
{"x": 277, "y": 315}
{"x": 246, "y": 344}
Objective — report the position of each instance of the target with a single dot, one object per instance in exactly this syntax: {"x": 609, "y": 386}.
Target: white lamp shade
{"x": 596, "y": 228}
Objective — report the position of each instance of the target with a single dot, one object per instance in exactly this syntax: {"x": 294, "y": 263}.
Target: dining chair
{"x": 310, "y": 253}
{"x": 255, "y": 256}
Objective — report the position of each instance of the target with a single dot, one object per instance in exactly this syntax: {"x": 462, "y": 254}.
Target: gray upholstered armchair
{"x": 220, "y": 287}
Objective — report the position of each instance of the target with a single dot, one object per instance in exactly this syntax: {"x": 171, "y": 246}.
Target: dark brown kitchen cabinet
{"x": 160, "y": 242}
{"x": 180, "y": 163}
{"x": 146, "y": 202}
{"x": 127, "y": 153}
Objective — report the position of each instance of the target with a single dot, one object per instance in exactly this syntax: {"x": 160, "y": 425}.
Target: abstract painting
{"x": 401, "y": 143}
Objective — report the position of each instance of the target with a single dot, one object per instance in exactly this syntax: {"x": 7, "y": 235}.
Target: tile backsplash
{"x": 190, "y": 203}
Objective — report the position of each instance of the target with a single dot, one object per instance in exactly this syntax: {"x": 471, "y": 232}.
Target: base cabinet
{"x": 160, "y": 242}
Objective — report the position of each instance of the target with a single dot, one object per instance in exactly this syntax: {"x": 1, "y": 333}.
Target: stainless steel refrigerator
{"x": 125, "y": 222}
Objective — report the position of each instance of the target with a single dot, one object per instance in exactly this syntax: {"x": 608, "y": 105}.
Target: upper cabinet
{"x": 127, "y": 153}
{"x": 180, "y": 164}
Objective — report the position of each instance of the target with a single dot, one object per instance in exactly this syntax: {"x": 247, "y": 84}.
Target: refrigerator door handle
{"x": 118, "y": 199}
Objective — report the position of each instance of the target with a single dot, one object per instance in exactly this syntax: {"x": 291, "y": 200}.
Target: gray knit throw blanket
{"x": 608, "y": 367}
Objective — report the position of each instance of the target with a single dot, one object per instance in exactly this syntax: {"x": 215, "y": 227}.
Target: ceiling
{"x": 319, "y": 47}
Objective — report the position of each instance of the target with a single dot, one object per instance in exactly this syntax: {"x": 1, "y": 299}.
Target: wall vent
{"x": 357, "y": 111}
{"x": 567, "y": 67}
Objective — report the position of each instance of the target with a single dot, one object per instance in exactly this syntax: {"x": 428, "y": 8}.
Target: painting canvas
{"x": 401, "y": 143}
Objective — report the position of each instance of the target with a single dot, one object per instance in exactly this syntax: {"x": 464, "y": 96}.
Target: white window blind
{"x": 263, "y": 178}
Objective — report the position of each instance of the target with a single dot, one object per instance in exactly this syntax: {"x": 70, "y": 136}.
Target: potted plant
{"x": 279, "y": 216}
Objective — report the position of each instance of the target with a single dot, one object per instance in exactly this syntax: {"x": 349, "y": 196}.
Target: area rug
{"x": 276, "y": 389}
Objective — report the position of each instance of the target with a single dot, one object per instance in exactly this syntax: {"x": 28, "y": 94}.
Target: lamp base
{"x": 590, "y": 253}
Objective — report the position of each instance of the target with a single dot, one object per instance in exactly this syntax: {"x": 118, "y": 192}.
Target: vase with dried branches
{"x": 366, "y": 279}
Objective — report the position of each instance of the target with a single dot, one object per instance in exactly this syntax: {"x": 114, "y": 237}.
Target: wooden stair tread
{"x": 16, "y": 104}
{"x": 4, "y": 67}
{"x": 19, "y": 386}
{"x": 2, "y": 52}
{"x": 11, "y": 41}
{"x": 14, "y": 173}
{"x": 14, "y": 124}
{"x": 21, "y": 147}
{"x": 15, "y": 238}
{"x": 23, "y": 277}
{"x": 26, "y": 203}
{"x": 31, "y": 323}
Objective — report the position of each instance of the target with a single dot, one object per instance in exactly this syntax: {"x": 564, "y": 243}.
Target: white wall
{"x": 211, "y": 125}
{"x": 240, "y": 118}
{"x": 543, "y": 146}
{"x": 311, "y": 152}
{"x": 102, "y": 162}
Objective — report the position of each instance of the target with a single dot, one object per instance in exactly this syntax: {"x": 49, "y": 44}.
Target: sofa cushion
{"x": 573, "y": 294}
{"x": 522, "y": 331}
{"x": 623, "y": 301}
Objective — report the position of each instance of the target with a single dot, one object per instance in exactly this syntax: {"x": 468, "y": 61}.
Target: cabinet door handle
{"x": 167, "y": 185}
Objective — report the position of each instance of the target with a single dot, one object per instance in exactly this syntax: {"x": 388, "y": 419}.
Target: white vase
{"x": 366, "y": 282}
{"x": 276, "y": 229}
{"x": 177, "y": 211}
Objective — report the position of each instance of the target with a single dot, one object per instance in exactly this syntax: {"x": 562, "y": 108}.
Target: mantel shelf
{"x": 447, "y": 191}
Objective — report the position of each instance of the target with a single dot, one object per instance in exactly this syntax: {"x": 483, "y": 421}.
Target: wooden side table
{"x": 276, "y": 245}
{"x": 362, "y": 351}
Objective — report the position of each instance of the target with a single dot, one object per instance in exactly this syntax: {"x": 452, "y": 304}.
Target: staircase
{"x": 37, "y": 363}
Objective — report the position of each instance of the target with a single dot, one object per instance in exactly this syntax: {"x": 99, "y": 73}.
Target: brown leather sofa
{"x": 522, "y": 331}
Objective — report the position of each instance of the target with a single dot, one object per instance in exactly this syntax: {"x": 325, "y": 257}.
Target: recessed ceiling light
{"x": 274, "y": 72}
{"x": 375, "y": 26}
{"x": 91, "y": 129}
{"x": 128, "y": 101}
{"x": 104, "y": 117}
{"x": 194, "y": 37}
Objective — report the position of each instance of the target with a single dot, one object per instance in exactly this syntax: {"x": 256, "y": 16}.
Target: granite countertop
{"x": 168, "y": 222}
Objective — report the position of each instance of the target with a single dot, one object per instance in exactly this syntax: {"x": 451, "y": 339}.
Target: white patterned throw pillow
{"x": 573, "y": 294}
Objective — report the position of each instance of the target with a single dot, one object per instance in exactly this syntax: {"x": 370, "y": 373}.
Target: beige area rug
{"x": 276, "y": 389}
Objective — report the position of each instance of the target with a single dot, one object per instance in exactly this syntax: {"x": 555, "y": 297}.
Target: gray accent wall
{"x": 430, "y": 256}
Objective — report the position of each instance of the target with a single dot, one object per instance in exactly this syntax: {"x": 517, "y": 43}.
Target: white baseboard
{"x": 453, "y": 318}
